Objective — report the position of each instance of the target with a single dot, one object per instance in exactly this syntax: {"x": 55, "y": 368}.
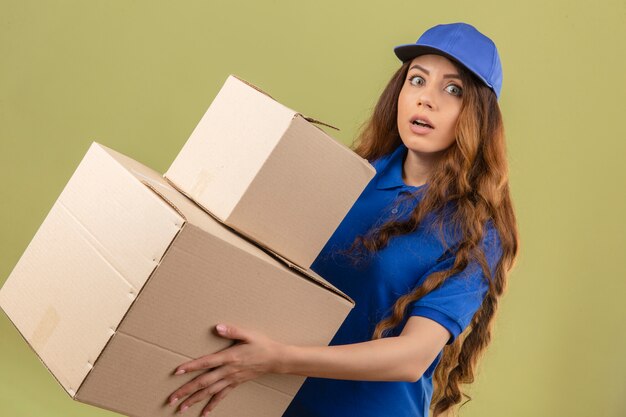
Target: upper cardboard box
{"x": 268, "y": 172}
{"x": 125, "y": 279}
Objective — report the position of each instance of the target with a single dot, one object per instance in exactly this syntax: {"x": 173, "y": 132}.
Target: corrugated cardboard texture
{"x": 290, "y": 178}
{"x": 227, "y": 149}
{"x": 203, "y": 281}
{"x": 198, "y": 217}
{"x": 86, "y": 264}
{"x": 266, "y": 172}
{"x": 126, "y": 278}
{"x": 202, "y": 228}
{"x": 134, "y": 378}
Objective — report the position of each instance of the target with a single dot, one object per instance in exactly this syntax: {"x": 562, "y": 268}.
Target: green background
{"x": 138, "y": 75}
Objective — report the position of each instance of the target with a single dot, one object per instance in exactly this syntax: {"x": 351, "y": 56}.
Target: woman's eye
{"x": 454, "y": 89}
{"x": 413, "y": 79}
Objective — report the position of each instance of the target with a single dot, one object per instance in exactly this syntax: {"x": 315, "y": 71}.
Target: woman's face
{"x": 431, "y": 93}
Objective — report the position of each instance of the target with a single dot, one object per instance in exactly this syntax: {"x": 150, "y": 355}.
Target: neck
{"x": 418, "y": 166}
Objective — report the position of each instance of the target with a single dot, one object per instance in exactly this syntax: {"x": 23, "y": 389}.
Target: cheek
{"x": 400, "y": 105}
{"x": 452, "y": 122}
{"x": 402, "y": 109}
{"x": 403, "y": 100}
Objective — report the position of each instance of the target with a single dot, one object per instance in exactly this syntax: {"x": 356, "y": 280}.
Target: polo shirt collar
{"x": 391, "y": 174}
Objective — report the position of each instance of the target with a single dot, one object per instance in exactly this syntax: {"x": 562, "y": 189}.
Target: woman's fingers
{"x": 225, "y": 356}
{"x": 203, "y": 394}
{"x": 200, "y": 383}
{"x": 232, "y": 332}
{"x": 204, "y": 362}
{"x": 257, "y": 355}
{"x": 217, "y": 398}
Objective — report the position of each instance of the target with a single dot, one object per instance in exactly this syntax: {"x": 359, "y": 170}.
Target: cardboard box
{"x": 268, "y": 172}
{"x": 125, "y": 279}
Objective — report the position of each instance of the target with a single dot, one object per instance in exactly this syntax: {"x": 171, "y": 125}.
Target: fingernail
{"x": 180, "y": 372}
{"x": 182, "y": 410}
{"x": 173, "y": 401}
{"x": 221, "y": 328}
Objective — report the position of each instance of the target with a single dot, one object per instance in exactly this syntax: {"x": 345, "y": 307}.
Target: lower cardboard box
{"x": 126, "y": 278}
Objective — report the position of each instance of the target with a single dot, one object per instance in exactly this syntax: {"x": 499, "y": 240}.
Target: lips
{"x": 421, "y": 120}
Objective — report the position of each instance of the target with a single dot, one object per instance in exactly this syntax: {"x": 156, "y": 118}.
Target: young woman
{"x": 425, "y": 251}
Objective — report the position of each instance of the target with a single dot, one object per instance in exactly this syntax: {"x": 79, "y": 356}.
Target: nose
{"x": 425, "y": 100}
{"x": 424, "y": 97}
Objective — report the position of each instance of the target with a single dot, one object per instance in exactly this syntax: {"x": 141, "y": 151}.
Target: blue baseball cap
{"x": 463, "y": 43}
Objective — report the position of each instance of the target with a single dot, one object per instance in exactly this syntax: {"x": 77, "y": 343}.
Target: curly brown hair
{"x": 471, "y": 177}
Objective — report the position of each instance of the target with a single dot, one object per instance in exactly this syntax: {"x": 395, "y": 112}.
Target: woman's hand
{"x": 256, "y": 355}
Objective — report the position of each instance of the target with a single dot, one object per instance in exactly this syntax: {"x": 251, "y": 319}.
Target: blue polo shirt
{"x": 375, "y": 286}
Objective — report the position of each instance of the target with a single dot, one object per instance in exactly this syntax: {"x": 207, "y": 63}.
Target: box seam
{"x": 130, "y": 308}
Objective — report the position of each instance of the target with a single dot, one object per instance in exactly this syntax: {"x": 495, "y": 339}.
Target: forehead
{"x": 434, "y": 62}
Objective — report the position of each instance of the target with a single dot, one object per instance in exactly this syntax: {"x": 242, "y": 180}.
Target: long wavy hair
{"x": 471, "y": 177}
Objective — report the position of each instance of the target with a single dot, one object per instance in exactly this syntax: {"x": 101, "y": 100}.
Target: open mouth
{"x": 418, "y": 123}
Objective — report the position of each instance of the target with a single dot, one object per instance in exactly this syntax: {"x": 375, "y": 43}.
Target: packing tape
{"x": 45, "y": 328}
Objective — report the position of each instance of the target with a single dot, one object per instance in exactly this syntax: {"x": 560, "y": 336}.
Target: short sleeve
{"x": 456, "y": 301}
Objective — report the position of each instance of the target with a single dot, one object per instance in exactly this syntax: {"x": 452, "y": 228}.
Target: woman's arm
{"x": 401, "y": 358}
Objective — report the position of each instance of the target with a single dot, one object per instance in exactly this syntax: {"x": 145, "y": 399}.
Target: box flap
{"x": 192, "y": 212}
{"x": 310, "y": 119}
{"x": 204, "y": 219}
{"x": 309, "y": 273}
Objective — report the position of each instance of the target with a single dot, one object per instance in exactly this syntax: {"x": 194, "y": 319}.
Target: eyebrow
{"x": 428, "y": 72}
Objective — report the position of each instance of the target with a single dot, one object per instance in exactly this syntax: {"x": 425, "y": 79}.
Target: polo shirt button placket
{"x": 400, "y": 193}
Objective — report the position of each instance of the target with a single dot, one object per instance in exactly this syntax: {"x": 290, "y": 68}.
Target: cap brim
{"x": 411, "y": 50}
